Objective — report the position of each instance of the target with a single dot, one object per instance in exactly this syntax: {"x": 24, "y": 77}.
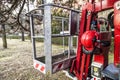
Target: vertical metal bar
{"x": 78, "y": 28}
{"x": 70, "y": 45}
{"x": 78, "y": 22}
{"x": 69, "y": 38}
{"x": 47, "y": 39}
{"x": 63, "y": 34}
{"x": 32, "y": 34}
{"x": 71, "y": 42}
{"x": 70, "y": 22}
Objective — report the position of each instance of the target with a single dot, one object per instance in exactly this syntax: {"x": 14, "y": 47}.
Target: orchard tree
{"x": 10, "y": 11}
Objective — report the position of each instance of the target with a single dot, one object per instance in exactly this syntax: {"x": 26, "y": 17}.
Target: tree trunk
{"x": 22, "y": 36}
{"x": 4, "y": 36}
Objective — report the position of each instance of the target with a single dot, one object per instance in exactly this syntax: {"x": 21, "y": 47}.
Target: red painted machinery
{"x": 94, "y": 40}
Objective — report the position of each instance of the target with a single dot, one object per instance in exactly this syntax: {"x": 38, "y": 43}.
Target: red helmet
{"x": 87, "y": 39}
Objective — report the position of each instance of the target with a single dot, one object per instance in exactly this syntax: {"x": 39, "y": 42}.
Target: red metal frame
{"x": 104, "y": 5}
{"x": 80, "y": 65}
{"x": 116, "y": 36}
{"x": 103, "y": 57}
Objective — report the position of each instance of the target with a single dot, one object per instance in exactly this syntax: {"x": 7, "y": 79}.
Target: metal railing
{"x": 47, "y": 19}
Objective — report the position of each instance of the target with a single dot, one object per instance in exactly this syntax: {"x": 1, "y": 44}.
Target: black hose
{"x": 87, "y": 51}
{"x": 110, "y": 19}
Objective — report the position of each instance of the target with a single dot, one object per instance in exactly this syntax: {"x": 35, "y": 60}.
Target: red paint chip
{"x": 59, "y": 66}
{"x": 42, "y": 68}
{"x": 37, "y": 65}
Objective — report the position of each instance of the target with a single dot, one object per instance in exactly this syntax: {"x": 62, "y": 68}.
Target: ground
{"x": 16, "y": 62}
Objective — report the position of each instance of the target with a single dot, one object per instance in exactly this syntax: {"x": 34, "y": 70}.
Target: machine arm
{"x": 83, "y": 61}
{"x": 104, "y": 5}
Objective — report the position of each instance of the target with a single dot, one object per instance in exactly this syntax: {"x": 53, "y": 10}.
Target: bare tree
{"x": 4, "y": 36}
{"x": 8, "y": 16}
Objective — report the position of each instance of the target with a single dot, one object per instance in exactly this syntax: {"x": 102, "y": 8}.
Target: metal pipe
{"x": 54, "y": 5}
{"x": 32, "y": 34}
{"x": 47, "y": 39}
{"x": 59, "y": 6}
{"x": 63, "y": 33}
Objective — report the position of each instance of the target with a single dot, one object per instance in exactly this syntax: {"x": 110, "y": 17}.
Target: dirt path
{"x": 16, "y": 63}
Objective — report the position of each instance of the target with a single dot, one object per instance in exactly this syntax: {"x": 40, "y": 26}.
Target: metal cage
{"x": 49, "y": 63}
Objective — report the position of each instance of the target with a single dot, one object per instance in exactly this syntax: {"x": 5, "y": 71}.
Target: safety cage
{"x": 47, "y": 56}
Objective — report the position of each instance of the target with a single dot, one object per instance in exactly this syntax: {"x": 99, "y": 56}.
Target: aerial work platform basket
{"x": 50, "y": 60}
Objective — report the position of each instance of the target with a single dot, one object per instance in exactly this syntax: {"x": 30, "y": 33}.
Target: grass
{"x": 16, "y": 61}
{"x": 111, "y": 52}
{"x": 58, "y": 40}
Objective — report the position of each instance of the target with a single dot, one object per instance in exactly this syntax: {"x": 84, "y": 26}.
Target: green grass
{"x": 59, "y": 41}
{"x": 111, "y": 52}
